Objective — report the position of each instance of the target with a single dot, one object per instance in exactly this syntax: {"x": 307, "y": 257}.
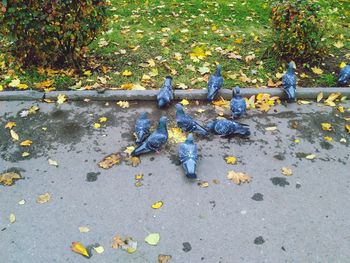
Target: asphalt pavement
{"x": 274, "y": 218}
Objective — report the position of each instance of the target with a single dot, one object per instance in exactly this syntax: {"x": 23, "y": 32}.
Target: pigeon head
{"x": 143, "y": 115}
{"x": 236, "y": 91}
{"x": 179, "y": 108}
{"x": 218, "y": 71}
{"x": 168, "y": 79}
{"x": 211, "y": 125}
{"x": 163, "y": 120}
{"x": 189, "y": 138}
{"x": 291, "y": 66}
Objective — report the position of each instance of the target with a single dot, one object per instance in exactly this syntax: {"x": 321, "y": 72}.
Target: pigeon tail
{"x": 190, "y": 168}
{"x": 140, "y": 150}
{"x": 290, "y": 92}
{"x": 211, "y": 95}
{"x": 201, "y": 130}
{"x": 141, "y": 136}
{"x": 211, "y": 125}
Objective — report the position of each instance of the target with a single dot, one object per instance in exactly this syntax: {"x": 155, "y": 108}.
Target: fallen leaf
{"x": 203, "y": 184}
{"x": 61, "y": 98}
{"x": 328, "y": 138}
{"x": 319, "y": 97}
{"x": 164, "y": 258}
{"x": 102, "y": 119}
{"x": 338, "y": 44}
{"x": 184, "y": 102}
{"x": 310, "y": 156}
{"x": 238, "y": 177}
{"x": 79, "y": 248}
{"x": 326, "y": 126}
{"x": 341, "y": 109}
{"x": 332, "y": 97}
{"x": 117, "y": 242}
{"x": 83, "y": 229}
{"x": 14, "y": 83}
{"x": 44, "y": 198}
{"x": 22, "y": 202}
{"x": 273, "y": 128}
{"x": 129, "y": 150}
{"x": 287, "y": 171}
{"x": 10, "y": 125}
{"x": 347, "y": 127}
{"x": 303, "y": 102}
{"x": 26, "y": 143}
{"x": 123, "y": 104}
{"x": 127, "y": 73}
{"x": 176, "y": 135}
{"x": 8, "y": 179}
{"x": 52, "y": 162}
{"x": 134, "y": 161}
{"x": 12, "y": 218}
{"x": 97, "y": 125}
{"x": 110, "y": 161}
{"x": 14, "y": 135}
{"x": 317, "y": 70}
{"x": 231, "y": 160}
{"x": 152, "y": 239}
{"x": 99, "y": 249}
{"x": 157, "y": 205}
{"x": 342, "y": 65}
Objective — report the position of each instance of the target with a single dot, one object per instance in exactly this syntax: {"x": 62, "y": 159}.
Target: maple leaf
{"x": 14, "y": 83}
{"x": 328, "y": 138}
{"x": 79, "y": 248}
{"x": 10, "y": 125}
{"x": 231, "y": 160}
{"x": 238, "y": 177}
{"x": 61, "y": 98}
{"x": 8, "y": 179}
{"x": 97, "y": 125}
{"x": 326, "y": 126}
{"x": 287, "y": 171}
{"x": 123, "y": 104}
{"x": 110, "y": 161}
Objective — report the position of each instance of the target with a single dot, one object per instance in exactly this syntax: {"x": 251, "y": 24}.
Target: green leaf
{"x": 152, "y": 239}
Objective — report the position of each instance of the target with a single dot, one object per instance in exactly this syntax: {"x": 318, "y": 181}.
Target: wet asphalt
{"x": 274, "y": 218}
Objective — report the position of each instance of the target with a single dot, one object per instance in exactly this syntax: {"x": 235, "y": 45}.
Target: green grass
{"x": 167, "y": 27}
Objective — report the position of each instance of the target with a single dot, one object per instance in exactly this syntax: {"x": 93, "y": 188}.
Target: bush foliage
{"x": 52, "y": 33}
{"x": 298, "y": 29}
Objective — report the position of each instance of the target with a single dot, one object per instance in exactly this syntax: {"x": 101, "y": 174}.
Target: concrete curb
{"x": 198, "y": 94}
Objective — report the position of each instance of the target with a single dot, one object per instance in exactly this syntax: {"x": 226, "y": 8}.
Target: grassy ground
{"x": 151, "y": 41}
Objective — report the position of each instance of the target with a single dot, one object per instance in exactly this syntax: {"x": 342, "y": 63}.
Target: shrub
{"x": 298, "y": 29}
{"x": 52, "y": 32}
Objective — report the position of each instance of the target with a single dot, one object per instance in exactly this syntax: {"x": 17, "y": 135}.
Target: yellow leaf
{"x": 12, "y": 218}
{"x": 273, "y": 128}
{"x": 347, "y": 127}
{"x": 129, "y": 149}
{"x": 152, "y": 239}
{"x": 79, "y": 248}
{"x": 26, "y": 143}
{"x": 22, "y": 202}
{"x": 184, "y": 102}
{"x": 231, "y": 160}
{"x": 203, "y": 184}
{"x": 304, "y": 102}
{"x": 99, "y": 249}
{"x": 297, "y": 140}
{"x": 61, "y": 98}
{"x": 83, "y": 229}
{"x": 123, "y": 104}
{"x": 33, "y": 109}
{"x": 25, "y": 154}
{"x": 14, "y": 135}
{"x": 102, "y": 119}
{"x": 22, "y": 86}
{"x": 44, "y": 84}
{"x": 238, "y": 177}
{"x": 342, "y": 65}
{"x": 176, "y": 135}
{"x": 14, "y": 83}
{"x": 310, "y": 156}
{"x": 87, "y": 73}
{"x": 127, "y": 73}
{"x": 326, "y": 126}
{"x": 110, "y": 161}
{"x": 332, "y": 97}
{"x": 8, "y": 179}
{"x": 317, "y": 70}
{"x": 1, "y": 88}
{"x": 338, "y": 44}
{"x": 222, "y": 103}
{"x": 319, "y": 97}
{"x": 287, "y": 171}
{"x": 97, "y": 125}
{"x": 52, "y": 162}
{"x": 328, "y": 139}
{"x": 44, "y": 198}
{"x": 10, "y": 125}
{"x": 341, "y": 109}
{"x": 157, "y": 205}
{"x": 279, "y": 75}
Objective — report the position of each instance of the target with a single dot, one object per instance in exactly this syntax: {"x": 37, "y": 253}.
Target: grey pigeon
{"x": 142, "y": 126}
{"x": 155, "y": 141}
{"x": 238, "y": 105}
{"x": 226, "y": 127}
{"x": 214, "y": 84}
{"x": 165, "y": 94}
{"x": 188, "y": 157}
{"x": 187, "y": 123}
{"x": 289, "y": 83}
{"x": 344, "y": 76}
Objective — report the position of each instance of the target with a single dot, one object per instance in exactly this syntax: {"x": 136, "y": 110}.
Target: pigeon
{"x": 226, "y": 127}
{"x": 215, "y": 83}
{"x": 289, "y": 83}
{"x": 165, "y": 94}
{"x": 186, "y": 123}
{"x": 188, "y": 157}
{"x": 238, "y": 104}
{"x": 142, "y": 127}
{"x": 155, "y": 141}
{"x": 344, "y": 76}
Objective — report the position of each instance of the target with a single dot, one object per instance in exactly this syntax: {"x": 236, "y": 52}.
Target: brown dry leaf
{"x": 8, "y": 179}
{"x": 222, "y": 103}
{"x": 117, "y": 242}
{"x": 238, "y": 177}
{"x": 287, "y": 171}
{"x": 44, "y": 198}
{"x": 110, "y": 161}
{"x": 79, "y": 248}
{"x": 133, "y": 161}
{"x": 164, "y": 258}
